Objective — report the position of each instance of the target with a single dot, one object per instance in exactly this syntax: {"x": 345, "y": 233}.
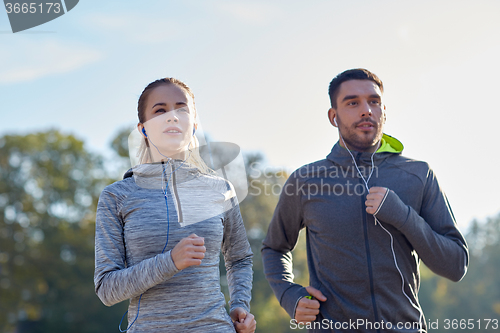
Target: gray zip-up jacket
{"x": 132, "y": 227}
{"x": 350, "y": 258}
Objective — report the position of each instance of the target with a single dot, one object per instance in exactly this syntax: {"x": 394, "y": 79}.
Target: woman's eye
{"x": 184, "y": 109}
{"x": 160, "y": 110}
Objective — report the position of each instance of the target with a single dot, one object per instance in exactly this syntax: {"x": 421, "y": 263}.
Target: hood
{"x": 389, "y": 145}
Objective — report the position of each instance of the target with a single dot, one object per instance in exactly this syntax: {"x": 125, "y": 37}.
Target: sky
{"x": 260, "y": 72}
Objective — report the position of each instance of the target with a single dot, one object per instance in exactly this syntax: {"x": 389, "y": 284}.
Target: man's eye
{"x": 352, "y": 103}
{"x": 376, "y": 102}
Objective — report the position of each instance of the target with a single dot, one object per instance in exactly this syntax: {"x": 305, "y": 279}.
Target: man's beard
{"x": 353, "y": 141}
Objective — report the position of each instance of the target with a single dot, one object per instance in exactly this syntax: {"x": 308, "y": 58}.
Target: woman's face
{"x": 170, "y": 119}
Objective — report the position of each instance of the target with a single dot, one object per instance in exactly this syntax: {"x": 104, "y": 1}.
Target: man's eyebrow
{"x": 347, "y": 97}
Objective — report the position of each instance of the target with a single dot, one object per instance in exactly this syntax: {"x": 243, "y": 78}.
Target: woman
{"x": 159, "y": 230}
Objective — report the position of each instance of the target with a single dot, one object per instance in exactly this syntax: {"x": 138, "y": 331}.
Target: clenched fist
{"x": 374, "y": 198}
{"x": 188, "y": 252}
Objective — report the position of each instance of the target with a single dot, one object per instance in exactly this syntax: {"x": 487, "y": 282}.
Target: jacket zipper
{"x": 367, "y": 247}
{"x": 175, "y": 194}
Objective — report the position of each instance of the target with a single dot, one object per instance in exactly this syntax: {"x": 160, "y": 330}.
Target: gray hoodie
{"x": 131, "y": 258}
{"x": 350, "y": 258}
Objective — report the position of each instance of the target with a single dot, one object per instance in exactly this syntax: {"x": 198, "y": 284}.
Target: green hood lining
{"x": 389, "y": 144}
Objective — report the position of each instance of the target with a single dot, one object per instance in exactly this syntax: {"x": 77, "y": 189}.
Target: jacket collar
{"x": 389, "y": 145}
{"x": 154, "y": 174}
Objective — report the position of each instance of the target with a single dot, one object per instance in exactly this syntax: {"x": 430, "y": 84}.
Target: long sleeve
{"x": 114, "y": 281}
{"x": 281, "y": 238}
{"x": 238, "y": 256}
{"x": 433, "y": 233}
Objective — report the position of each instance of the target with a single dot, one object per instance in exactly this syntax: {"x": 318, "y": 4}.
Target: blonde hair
{"x": 144, "y": 153}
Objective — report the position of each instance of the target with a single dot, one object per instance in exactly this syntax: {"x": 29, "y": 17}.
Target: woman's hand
{"x": 188, "y": 252}
{"x": 244, "y": 322}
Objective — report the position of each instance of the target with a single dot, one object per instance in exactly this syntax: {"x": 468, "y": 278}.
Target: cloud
{"x": 27, "y": 60}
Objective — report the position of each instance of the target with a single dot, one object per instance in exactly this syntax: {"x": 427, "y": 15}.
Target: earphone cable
{"x": 164, "y": 190}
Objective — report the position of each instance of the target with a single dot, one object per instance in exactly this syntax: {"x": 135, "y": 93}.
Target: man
{"x": 363, "y": 246}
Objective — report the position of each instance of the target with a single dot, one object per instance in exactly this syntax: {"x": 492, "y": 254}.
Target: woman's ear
{"x": 142, "y": 130}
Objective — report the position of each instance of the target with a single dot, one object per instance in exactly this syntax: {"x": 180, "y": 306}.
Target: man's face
{"x": 359, "y": 115}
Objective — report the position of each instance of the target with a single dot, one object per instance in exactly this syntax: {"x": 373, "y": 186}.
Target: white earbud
{"x": 335, "y": 121}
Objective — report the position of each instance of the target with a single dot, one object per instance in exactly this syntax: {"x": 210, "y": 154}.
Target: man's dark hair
{"x": 351, "y": 74}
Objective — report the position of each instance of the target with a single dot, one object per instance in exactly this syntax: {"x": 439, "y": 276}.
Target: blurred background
{"x": 260, "y": 72}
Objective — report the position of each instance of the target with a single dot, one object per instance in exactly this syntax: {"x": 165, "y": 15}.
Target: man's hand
{"x": 374, "y": 198}
{"x": 244, "y": 322}
{"x": 307, "y": 309}
{"x": 188, "y": 252}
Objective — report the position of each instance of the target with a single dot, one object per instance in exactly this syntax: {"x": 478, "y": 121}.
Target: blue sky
{"x": 260, "y": 72}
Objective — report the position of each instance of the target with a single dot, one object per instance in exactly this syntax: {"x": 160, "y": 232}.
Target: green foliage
{"x": 257, "y": 209}
{"x": 477, "y": 295}
{"x": 120, "y": 143}
{"x": 49, "y": 188}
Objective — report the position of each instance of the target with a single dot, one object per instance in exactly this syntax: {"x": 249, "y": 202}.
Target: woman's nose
{"x": 172, "y": 116}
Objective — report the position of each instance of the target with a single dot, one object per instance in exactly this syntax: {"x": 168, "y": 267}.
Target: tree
{"x": 265, "y": 185}
{"x": 49, "y": 187}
